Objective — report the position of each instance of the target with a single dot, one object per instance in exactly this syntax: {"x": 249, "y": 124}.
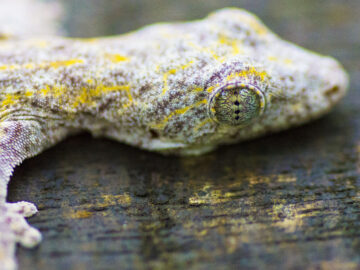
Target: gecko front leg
{"x": 20, "y": 139}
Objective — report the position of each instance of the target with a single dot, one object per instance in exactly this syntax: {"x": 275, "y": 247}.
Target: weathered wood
{"x": 290, "y": 200}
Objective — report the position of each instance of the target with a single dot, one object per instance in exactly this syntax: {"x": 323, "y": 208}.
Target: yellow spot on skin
{"x": 233, "y": 43}
{"x": 203, "y": 123}
{"x": 177, "y": 112}
{"x": 251, "y": 72}
{"x": 10, "y": 99}
{"x": 28, "y": 93}
{"x": 116, "y": 58}
{"x": 87, "y": 94}
{"x": 254, "y": 24}
{"x": 39, "y": 43}
{"x": 286, "y": 61}
{"x": 55, "y": 64}
{"x": 9, "y": 67}
{"x": 172, "y": 71}
{"x": 83, "y": 98}
{"x": 165, "y": 79}
{"x": 186, "y": 65}
{"x": 198, "y": 89}
{"x": 273, "y": 58}
{"x": 58, "y": 90}
{"x": 206, "y": 50}
{"x": 45, "y": 90}
{"x": 70, "y": 62}
{"x": 211, "y": 88}
{"x": 29, "y": 66}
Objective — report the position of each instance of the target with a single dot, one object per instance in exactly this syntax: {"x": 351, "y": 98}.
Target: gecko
{"x": 180, "y": 88}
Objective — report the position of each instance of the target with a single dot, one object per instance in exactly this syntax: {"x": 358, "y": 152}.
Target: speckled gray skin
{"x": 150, "y": 89}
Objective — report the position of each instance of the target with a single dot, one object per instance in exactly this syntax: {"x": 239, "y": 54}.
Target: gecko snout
{"x": 336, "y": 84}
{"x": 336, "y": 81}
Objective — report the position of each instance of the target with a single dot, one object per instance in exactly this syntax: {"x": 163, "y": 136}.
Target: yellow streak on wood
{"x": 106, "y": 200}
{"x": 78, "y": 214}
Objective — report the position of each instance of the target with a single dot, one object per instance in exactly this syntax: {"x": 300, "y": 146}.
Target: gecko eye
{"x": 236, "y": 104}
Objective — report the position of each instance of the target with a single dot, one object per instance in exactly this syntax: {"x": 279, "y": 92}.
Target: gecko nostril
{"x": 154, "y": 134}
{"x": 332, "y": 91}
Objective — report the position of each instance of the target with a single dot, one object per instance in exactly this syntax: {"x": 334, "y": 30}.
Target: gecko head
{"x": 260, "y": 84}
{"x": 245, "y": 99}
{"x": 263, "y": 75}
{"x": 276, "y": 94}
{"x": 249, "y": 98}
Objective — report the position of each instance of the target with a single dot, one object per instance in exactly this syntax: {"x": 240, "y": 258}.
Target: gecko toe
{"x": 26, "y": 209}
{"x": 23, "y": 232}
{"x": 30, "y": 237}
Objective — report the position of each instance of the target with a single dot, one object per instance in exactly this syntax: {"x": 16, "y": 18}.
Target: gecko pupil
{"x": 236, "y": 105}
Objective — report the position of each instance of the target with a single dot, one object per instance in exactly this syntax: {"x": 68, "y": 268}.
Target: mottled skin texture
{"x": 151, "y": 89}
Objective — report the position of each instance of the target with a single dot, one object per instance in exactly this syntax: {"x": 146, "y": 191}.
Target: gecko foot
{"x": 14, "y": 229}
{"x": 13, "y": 217}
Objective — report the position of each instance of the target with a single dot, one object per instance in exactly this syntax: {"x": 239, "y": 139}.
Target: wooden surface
{"x": 287, "y": 201}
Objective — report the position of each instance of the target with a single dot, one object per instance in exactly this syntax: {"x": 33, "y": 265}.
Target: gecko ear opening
{"x": 236, "y": 104}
